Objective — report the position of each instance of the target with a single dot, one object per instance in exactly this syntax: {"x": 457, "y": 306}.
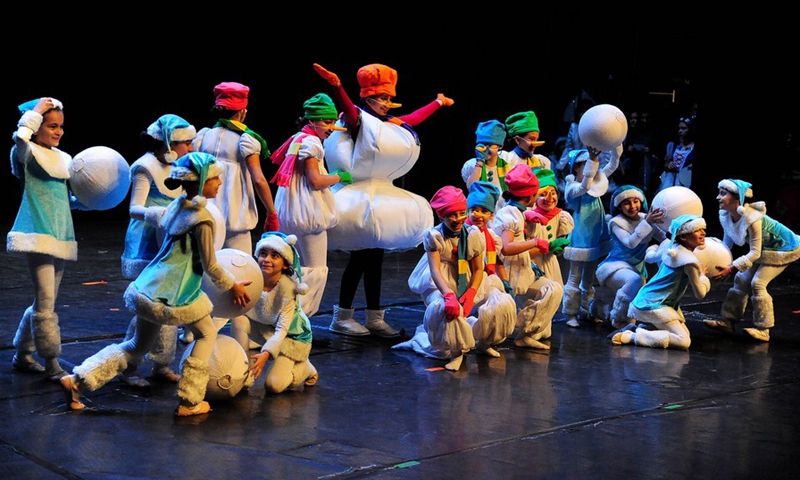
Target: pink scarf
{"x": 286, "y": 155}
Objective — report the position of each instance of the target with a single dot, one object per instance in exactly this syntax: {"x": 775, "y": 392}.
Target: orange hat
{"x": 231, "y": 95}
{"x": 377, "y": 79}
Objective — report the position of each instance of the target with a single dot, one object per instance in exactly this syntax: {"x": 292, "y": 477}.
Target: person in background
{"x": 523, "y": 127}
{"x": 239, "y": 151}
{"x": 489, "y": 164}
{"x": 771, "y": 247}
{"x": 537, "y": 296}
{"x": 679, "y": 158}
{"x": 165, "y": 140}
{"x": 550, "y": 223}
{"x": 589, "y": 240}
{"x": 306, "y": 207}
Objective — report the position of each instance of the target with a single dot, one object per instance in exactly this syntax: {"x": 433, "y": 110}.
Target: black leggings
{"x": 367, "y": 263}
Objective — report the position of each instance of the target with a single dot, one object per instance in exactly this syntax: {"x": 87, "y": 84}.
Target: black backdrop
{"x": 115, "y": 82}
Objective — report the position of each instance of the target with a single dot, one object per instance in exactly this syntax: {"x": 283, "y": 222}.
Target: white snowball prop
{"x": 243, "y": 267}
{"x": 603, "y": 127}
{"x": 228, "y": 366}
{"x": 677, "y": 201}
{"x": 99, "y": 177}
{"x": 713, "y": 254}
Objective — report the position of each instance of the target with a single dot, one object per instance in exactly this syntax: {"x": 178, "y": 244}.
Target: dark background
{"x": 114, "y": 83}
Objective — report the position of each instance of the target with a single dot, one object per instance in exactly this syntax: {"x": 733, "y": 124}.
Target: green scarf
{"x": 461, "y": 254}
{"x": 501, "y": 172}
{"x": 231, "y": 125}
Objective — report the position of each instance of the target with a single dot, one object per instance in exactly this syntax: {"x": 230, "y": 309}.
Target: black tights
{"x": 367, "y": 263}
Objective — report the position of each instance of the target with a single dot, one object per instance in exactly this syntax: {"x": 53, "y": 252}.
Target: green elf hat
{"x": 739, "y": 188}
{"x": 285, "y": 246}
{"x": 320, "y": 107}
{"x": 547, "y": 178}
{"x": 522, "y": 123}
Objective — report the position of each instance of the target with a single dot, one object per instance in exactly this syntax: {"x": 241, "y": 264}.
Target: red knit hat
{"x": 377, "y": 79}
{"x": 448, "y": 199}
{"x": 521, "y": 181}
{"x": 231, "y": 95}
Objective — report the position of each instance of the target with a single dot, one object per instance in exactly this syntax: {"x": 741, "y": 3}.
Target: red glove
{"x": 446, "y": 102}
{"x": 330, "y": 77}
{"x": 272, "y": 224}
{"x": 452, "y": 309}
{"x": 543, "y": 246}
{"x": 467, "y": 299}
{"x": 532, "y": 216}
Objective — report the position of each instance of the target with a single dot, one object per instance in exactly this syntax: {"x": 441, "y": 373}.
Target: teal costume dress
{"x": 44, "y": 220}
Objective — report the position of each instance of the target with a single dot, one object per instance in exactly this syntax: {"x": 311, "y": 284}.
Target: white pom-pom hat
{"x": 284, "y": 245}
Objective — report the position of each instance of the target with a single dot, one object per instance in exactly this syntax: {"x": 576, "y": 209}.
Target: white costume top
{"x": 560, "y": 225}
{"x": 517, "y": 266}
{"x": 236, "y": 198}
{"x": 420, "y": 280}
{"x": 373, "y": 213}
{"x": 302, "y": 210}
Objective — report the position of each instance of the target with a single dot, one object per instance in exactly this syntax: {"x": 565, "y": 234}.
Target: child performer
{"x": 658, "y": 301}
{"x": 772, "y": 247}
{"x": 590, "y": 240}
{"x": 481, "y": 202}
{"x": 537, "y": 296}
{"x": 168, "y": 292}
{"x": 549, "y": 223}
{"x": 632, "y": 231}
{"x": 277, "y": 321}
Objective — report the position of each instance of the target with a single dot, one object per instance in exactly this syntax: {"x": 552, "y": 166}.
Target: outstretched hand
{"x": 257, "y": 363}
{"x": 446, "y": 102}
{"x": 330, "y": 77}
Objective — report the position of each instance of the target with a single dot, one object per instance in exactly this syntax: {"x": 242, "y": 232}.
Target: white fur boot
{"x": 378, "y": 326}
{"x": 194, "y": 380}
{"x": 651, "y": 338}
{"x": 734, "y": 305}
{"x": 763, "y": 311}
{"x": 571, "y": 306}
{"x": 344, "y": 323}
{"x": 619, "y": 312}
{"x": 102, "y": 367}
{"x": 23, "y": 339}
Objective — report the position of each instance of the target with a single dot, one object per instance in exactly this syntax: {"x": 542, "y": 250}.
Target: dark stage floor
{"x": 727, "y": 408}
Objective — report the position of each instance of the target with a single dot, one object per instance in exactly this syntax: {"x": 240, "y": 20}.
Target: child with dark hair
{"x": 168, "y": 292}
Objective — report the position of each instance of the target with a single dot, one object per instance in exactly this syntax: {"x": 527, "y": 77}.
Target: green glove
{"x": 344, "y": 177}
{"x": 557, "y": 245}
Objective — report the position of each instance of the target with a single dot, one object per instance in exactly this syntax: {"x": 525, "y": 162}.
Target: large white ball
{"x": 241, "y": 266}
{"x": 603, "y": 127}
{"x": 677, "y": 201}
{"x": 713, "y": 254}
{"x": 228, "y": 368}
{"x": 99, "y": 177}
